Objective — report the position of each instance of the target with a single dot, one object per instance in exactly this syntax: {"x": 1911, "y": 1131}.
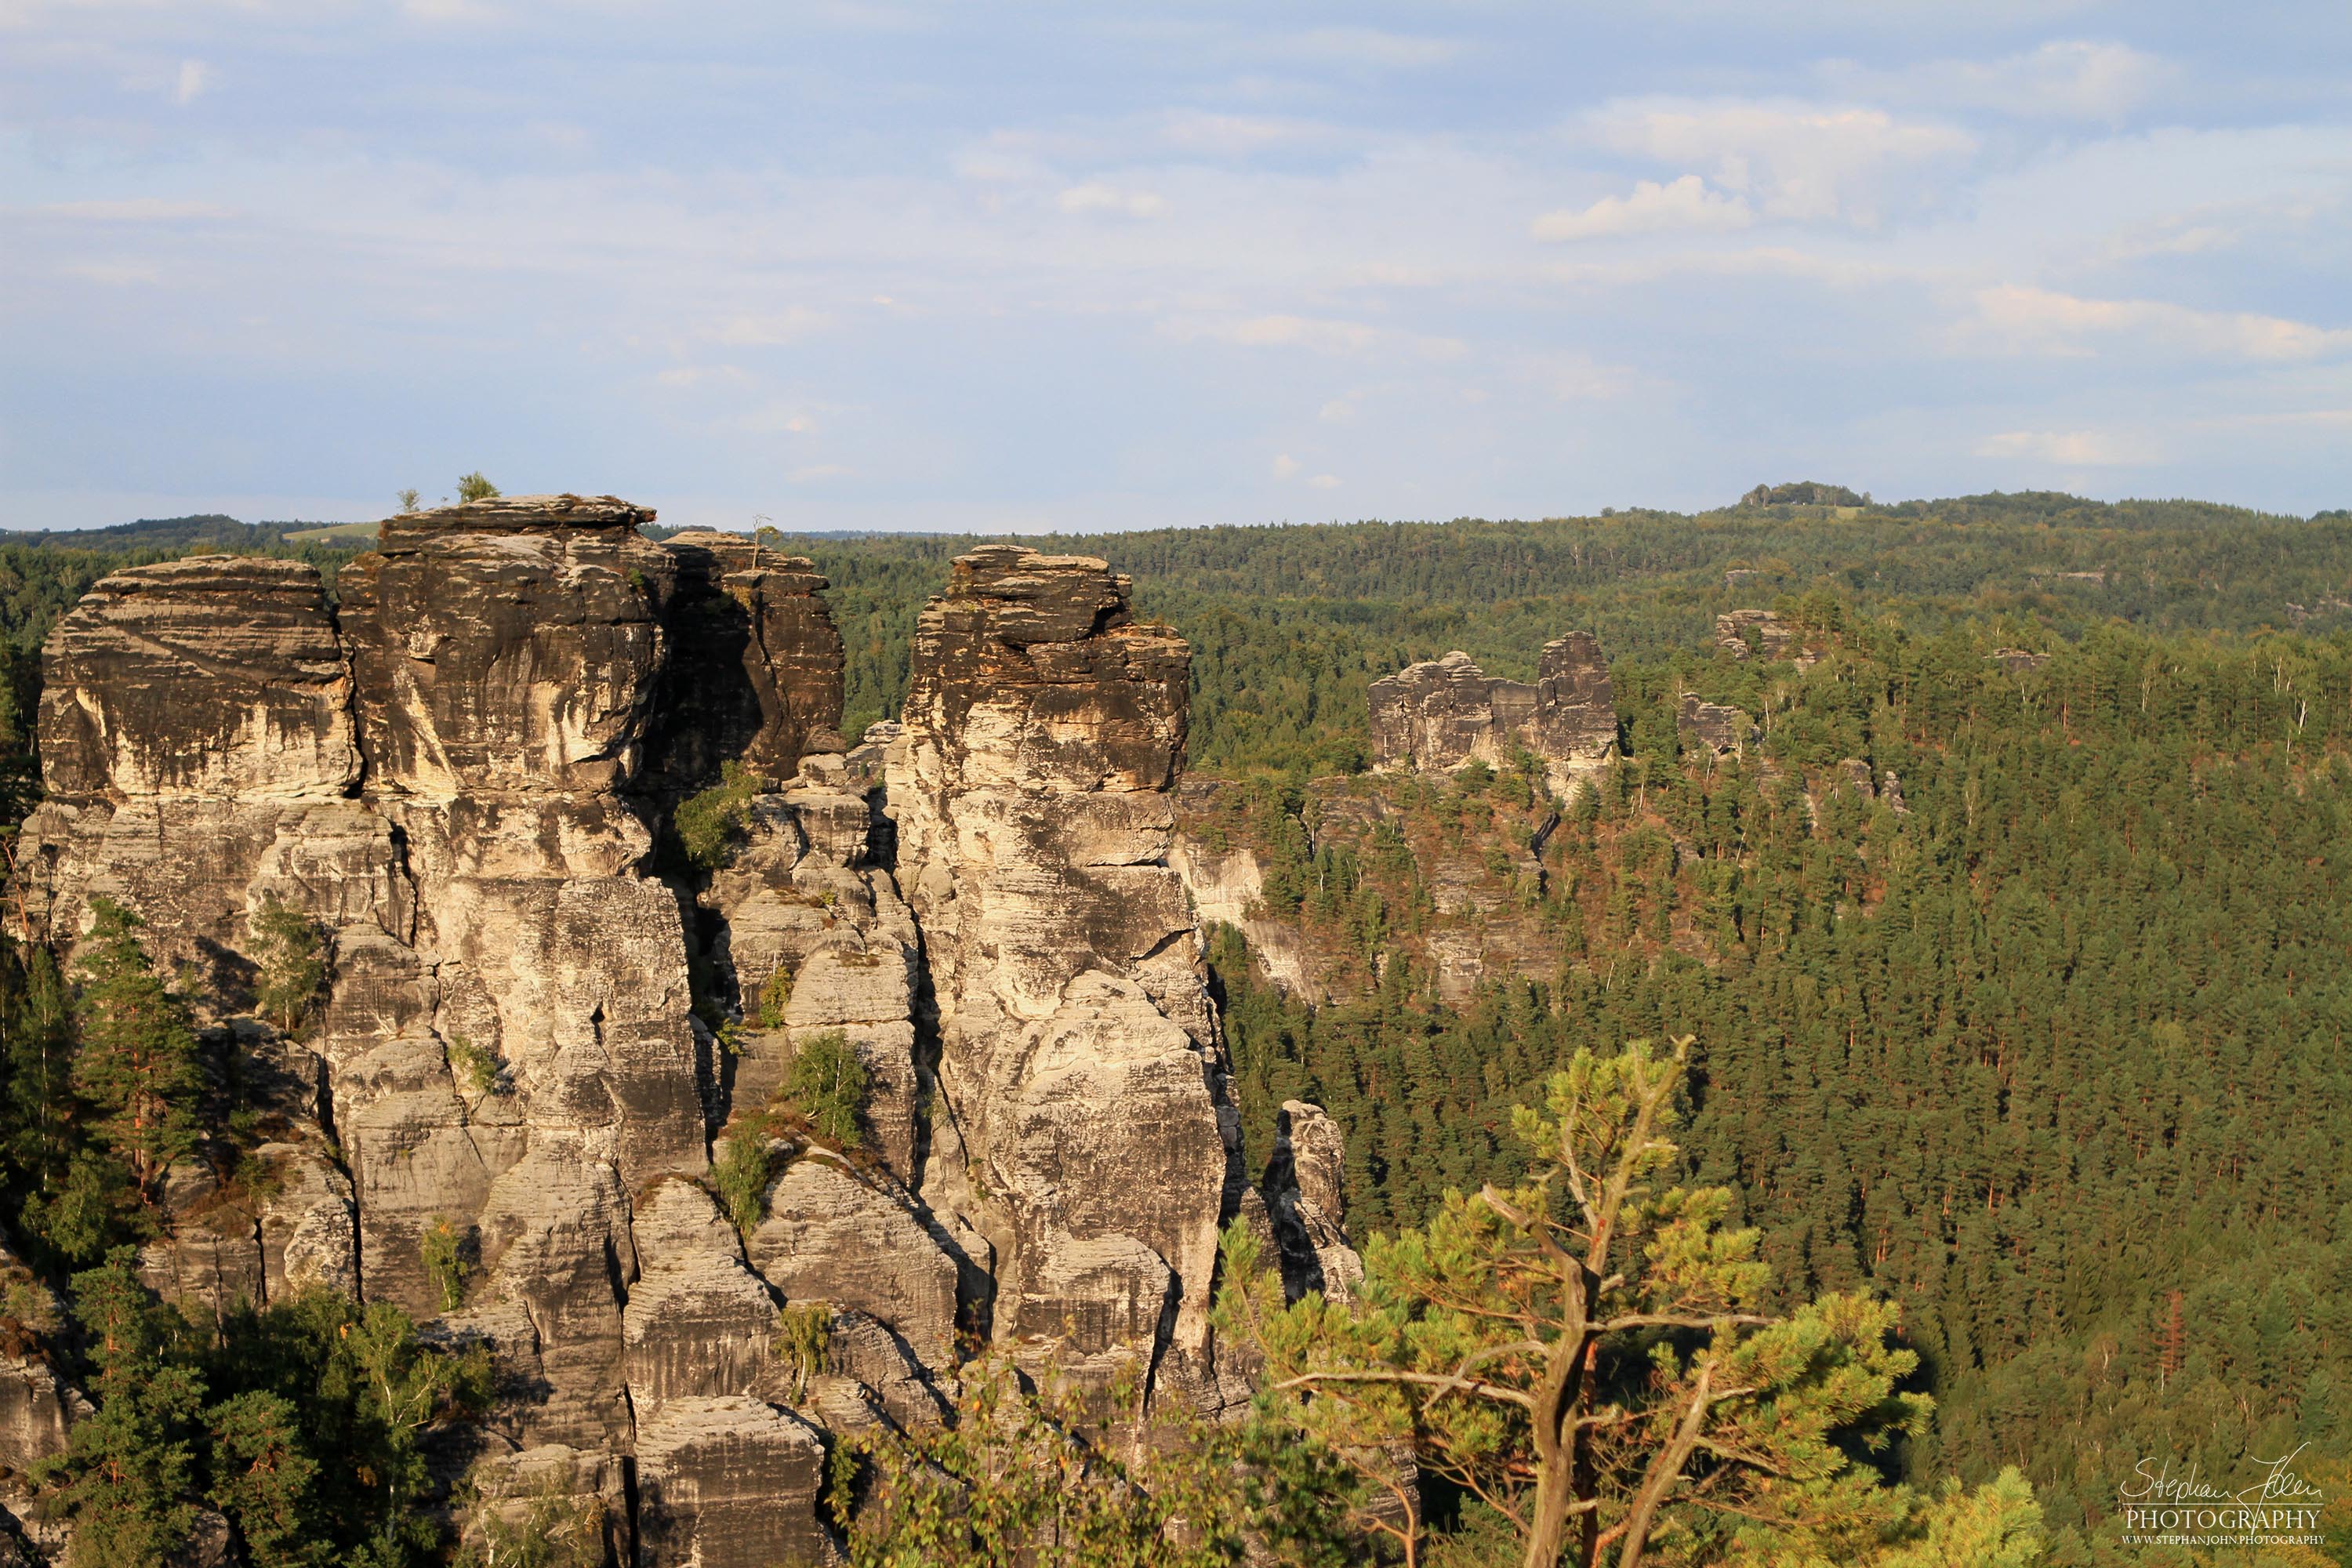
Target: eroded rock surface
{"x": 1303, "y": 1192}
{"x": 1441, "y": 714}
{"x": 1715, "y": 726}
{"x": 534, "y": 1024}
{"x": 1082, "y": 1127}
{"x": 755, "y": 670}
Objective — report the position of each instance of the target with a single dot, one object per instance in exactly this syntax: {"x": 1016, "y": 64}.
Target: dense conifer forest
{"x": 2047, "y": 1044}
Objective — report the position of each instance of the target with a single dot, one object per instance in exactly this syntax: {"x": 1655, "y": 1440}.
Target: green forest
{"x": 2048, "y": 1049}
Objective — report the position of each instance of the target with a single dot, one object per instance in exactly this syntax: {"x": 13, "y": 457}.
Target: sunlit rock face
{"x": 1444, "y": 713}
{"x": 1082, "y": 1128}
{"x": 460, "y": 772}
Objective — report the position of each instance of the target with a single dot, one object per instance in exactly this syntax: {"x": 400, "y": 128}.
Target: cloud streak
{"x": 913, "y": 265}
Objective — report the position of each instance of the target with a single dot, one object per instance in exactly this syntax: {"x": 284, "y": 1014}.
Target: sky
{"x": 1017, "y": 268}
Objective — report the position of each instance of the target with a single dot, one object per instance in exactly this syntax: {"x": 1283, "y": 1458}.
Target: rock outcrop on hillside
{"x": 460, "y": 775}
{"x": 1440, "y": 714}
{"x": 1715, "y": 726}
{"x": 1756, "y": 633}
{"x": 1303, "y": 1186}
{"x": 1082, "y": 1134}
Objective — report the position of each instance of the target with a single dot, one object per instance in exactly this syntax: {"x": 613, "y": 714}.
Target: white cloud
{"x": 2021, "y": 320}
{"x": 1572, "y": 377}
{"x": 135, "y": 209}
{"x": 1791, "y": 160}
{"x": 1686, "y": 204}
{"x": 2062, "y": 80}
{"x": 1284, "y": 466}
{"x": 2086, "y": 448}
{"x": 771, "y": 329}
{"x": 1325, "y": 481}
{"x": 1095, "y": 197}
{"x": 116, "y": 274}
{"x": 194, "y": 78}
{"x": 1318, "y": 333}
{"x": 685, "y": 375}
{"x": 1238, "y": 135}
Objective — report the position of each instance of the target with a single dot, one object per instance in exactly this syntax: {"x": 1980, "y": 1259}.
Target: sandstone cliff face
{"x": 1438, "y": 715}
{"x": 1082, "y": 1132}
{"x": 460, "y": 775}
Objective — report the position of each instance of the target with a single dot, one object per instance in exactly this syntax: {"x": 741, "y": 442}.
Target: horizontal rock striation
{"x": 1083, "y": 1134}
{"x": 538, "y": 1023}
{"x": 1442, "y": 714}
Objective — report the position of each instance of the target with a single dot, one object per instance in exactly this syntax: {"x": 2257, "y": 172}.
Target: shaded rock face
{"x": 1438, "y": 715}
{"x": 459, "y": 778}
{"x": 1303, "y": 1194}
{"x": 1082, "y": 1131}
{"x": 755, "y": 671}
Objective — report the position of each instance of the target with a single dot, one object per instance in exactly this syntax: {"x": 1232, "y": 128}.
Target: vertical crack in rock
{"x": 459, "y": 778}
{"x": 756, "y": 673}
{"x": 1082, "y": 1125}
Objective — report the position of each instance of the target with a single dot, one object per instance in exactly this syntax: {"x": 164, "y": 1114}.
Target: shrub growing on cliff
{"x": 741, "y": 1173}
{"x": 293, "y": 961}
{"x": 474, "y": 486}
{"x": 710, "y": 824}
{"x": 803, "y": 1330}
{"x": 1023, "y": 1476}
{"x": 447, "y": 1255}
{"x": 774, "y": 998}
{"x": 827, "y": 1084}
{"x": 137, "y": 1066}
{"x": 554, "y": 1531}
{"x": 473, "y": 1067}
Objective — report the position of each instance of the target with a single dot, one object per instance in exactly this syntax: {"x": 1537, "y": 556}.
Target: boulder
{"x": 834, "y": 1235}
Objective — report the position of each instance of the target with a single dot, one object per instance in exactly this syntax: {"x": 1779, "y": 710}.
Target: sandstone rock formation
{"x": 1718, "y": 727}
{"x": 536, "y": 1019}
{"x": 756, "y": 676}
{"x": 1438, "y": 715}
{"x": 1304, "y": 1194}
{"x": 1082, "y": 1125}
{"x": 1754, "y": 634}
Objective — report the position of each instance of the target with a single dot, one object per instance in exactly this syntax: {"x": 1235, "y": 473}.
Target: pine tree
{"x": 128, "y": 1479}
{"x": 137, "y": 1067}
{"x": 292, "y": 957}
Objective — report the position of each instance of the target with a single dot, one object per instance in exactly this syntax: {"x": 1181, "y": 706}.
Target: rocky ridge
{"x": 1441, "y": 714}
{"x": 461, "y": 775}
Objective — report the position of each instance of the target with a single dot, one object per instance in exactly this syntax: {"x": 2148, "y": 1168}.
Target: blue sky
{"x": 1023, "y": 266}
